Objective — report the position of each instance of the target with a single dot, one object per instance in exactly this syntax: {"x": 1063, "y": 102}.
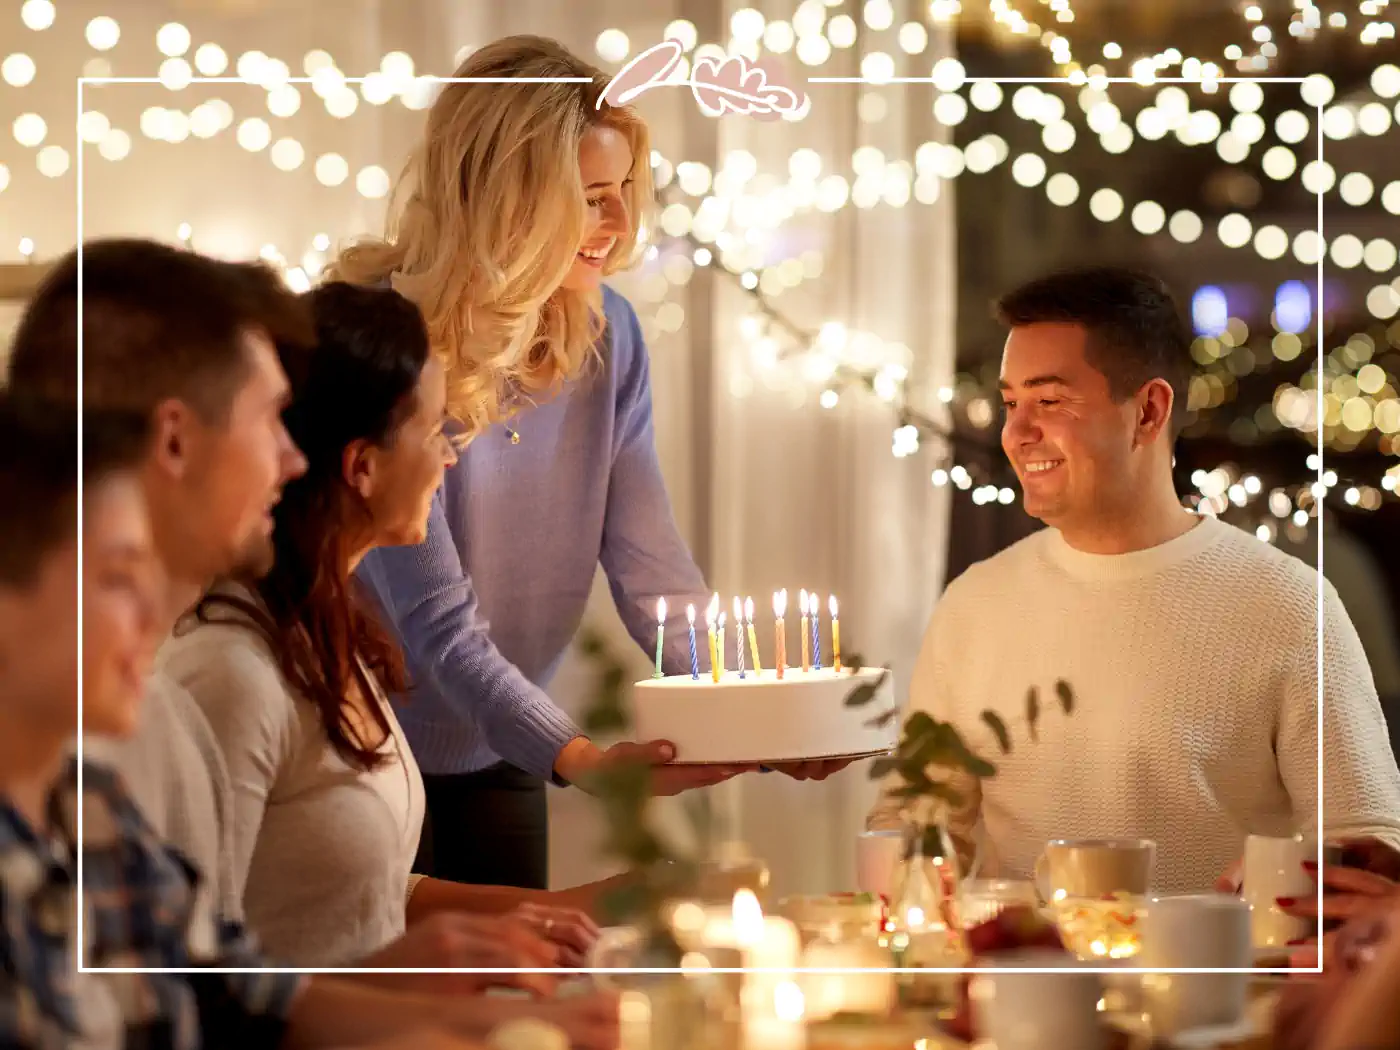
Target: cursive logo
{"x": 729, "y": 85}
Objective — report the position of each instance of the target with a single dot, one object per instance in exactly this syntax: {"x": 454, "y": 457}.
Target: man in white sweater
{"x": 1191, "y": 647}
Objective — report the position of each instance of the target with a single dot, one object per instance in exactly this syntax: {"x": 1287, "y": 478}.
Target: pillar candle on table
{"x": 711, "y": 615}
{"x": 780, "y": 644}
{"x": 694, "y": 660}
{"x": 753, "y": 635}
{"x": 660, "y": 633}
{"x": 739, "y": 633}
{"x": 770, "y": 1002}
{"x": 802, "y": 631}
{"x": 816, "y": 607}
{"x": 835, "y": 635}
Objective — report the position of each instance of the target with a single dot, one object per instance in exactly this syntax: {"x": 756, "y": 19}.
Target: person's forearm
{"x": 435, "y": 895}
{"x": 337, "y": 1013}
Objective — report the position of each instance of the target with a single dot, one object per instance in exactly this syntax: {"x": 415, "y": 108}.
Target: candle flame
{"x": 738, "y": 610}
{"x": 802, "y": 602}
{"x": 780, "y": 603}
{"x": 748, "y": 610}
{"x": 712, "y": 612}
{"x": 661, "y": 610}
{"x": 831, "y": 604}
{"x": 690, "y": 614}
{"x": 748, "y": 917}
{"x": 814, "y": 603}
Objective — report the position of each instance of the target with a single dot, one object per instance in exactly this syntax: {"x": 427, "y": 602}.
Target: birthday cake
{"x": 781, "y": 714}
{"x": 764, "y": 718}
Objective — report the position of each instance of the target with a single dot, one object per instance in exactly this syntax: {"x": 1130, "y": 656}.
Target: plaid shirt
{"x": 137, "y": 901}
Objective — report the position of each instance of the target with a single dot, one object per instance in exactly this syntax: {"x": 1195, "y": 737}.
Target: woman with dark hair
{"x": 293, "y": 670}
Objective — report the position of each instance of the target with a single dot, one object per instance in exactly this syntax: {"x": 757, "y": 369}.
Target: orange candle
{"x": 779, "y": 610}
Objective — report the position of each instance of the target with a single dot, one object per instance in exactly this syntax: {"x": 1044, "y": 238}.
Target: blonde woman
{"x": 520, "y": 199}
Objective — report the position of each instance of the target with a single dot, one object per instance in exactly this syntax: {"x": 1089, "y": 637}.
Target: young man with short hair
{"x": 1191, "y": 646}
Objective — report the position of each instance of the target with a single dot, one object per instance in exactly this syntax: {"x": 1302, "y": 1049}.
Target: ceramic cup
{"x": 1273, "y": 868}
{"x": 1195, "y": 932}
{"x": 1036, "y": 1011}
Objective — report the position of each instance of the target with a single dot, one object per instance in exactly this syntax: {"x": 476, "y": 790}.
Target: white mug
{"x": 1036, "y": 1011}
{"x": 878, "y": 854}
{"x": 1206, "y": 930}
{"x": 1094, "y": 868}
{"x": 1273, "y": 868}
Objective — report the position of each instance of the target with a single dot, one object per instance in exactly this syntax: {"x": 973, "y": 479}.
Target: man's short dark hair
{"x": 39, "y": 473}
{"x": 158, "y": 322}
{"x": 1136, "y": 331}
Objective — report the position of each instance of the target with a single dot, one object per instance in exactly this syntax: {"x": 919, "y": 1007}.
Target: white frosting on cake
{"x": 762, "y": 718}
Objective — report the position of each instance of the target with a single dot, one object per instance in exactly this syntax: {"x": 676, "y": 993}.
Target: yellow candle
{"x": 835, "y": 635}
{"x": 780, "y": 645}
{"x": 753, "y": 635}
{"x": 802, "y": 630}
{"x": 711, "y": 614}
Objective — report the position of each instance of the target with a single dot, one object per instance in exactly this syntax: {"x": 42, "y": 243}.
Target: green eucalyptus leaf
{"x": 883, "y": 719}
{"x": 1066, "y": 695}
{"x": 1033, "y": 711}
{"x": 882, "y": 767}
{"x": 998, "y": 727}
{"x": 861, "y": 695}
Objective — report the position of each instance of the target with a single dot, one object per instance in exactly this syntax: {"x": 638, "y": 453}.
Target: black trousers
{"x": 490, "y": 828}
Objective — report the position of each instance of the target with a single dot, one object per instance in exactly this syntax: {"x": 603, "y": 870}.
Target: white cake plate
{"x": 853, "y": 756}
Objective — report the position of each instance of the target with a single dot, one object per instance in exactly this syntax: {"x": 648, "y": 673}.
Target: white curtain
{"x": 787, "y": 494}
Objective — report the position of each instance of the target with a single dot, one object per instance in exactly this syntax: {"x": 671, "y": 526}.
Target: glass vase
{"x": 924, "y": 930}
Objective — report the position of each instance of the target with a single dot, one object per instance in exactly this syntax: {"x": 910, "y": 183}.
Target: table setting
{"x": 919, "y": 957}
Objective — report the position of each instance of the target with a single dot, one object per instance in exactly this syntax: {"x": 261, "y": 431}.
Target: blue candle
{"x": 816, "y": 634}
{"x": 694, "y": 661}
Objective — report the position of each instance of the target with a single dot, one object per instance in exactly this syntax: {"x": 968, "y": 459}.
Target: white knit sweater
{"x": 1194, "y": 667}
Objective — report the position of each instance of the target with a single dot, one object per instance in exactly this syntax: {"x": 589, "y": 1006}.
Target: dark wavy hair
{"x": 357, "y": 383}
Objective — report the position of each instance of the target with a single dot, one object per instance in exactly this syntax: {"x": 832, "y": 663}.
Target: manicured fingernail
{"x": 1297, "y": 941}
{"x": 668, "y": 752}
{"x": 1309, "y": 865}
{"x": 1285, "y": 902}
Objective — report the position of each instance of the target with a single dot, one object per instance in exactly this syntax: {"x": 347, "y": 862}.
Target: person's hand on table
{"x": 568, "y": 929}
{"x": 581, "y": 756}
{"x": 1347, "y": 893}
{"x": 459, "y": 940}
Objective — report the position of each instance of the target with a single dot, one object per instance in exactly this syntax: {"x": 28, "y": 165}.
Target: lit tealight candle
{"x": 711, "y": 615}
{"x": 694, "y": 660}
{"x": 835, "y": 634}
{"x": 753, "y": 635}
{"x": 739, "y": 633}
{"x": 660, "y": 633}
{"x": 780, "y": 631}
{"x": 802, "y": 631}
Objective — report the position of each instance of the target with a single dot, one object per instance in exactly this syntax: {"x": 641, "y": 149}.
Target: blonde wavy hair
{"x": 487, "y": 219}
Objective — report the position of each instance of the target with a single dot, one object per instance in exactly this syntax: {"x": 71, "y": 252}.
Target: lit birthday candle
{"x": 753, "y": 635}
{"x": 694, "y": 661}
{"x": 719, "y": 649}
{"x": 780, "y": 644}
{"x": 660, "y": 633}
{"x": 739, "y": 633}
{"x": 816, "y": 613}
{"x": 835, "y": 634}
{"x": 711, "y": 615}
{"x": 803, "y": 634}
